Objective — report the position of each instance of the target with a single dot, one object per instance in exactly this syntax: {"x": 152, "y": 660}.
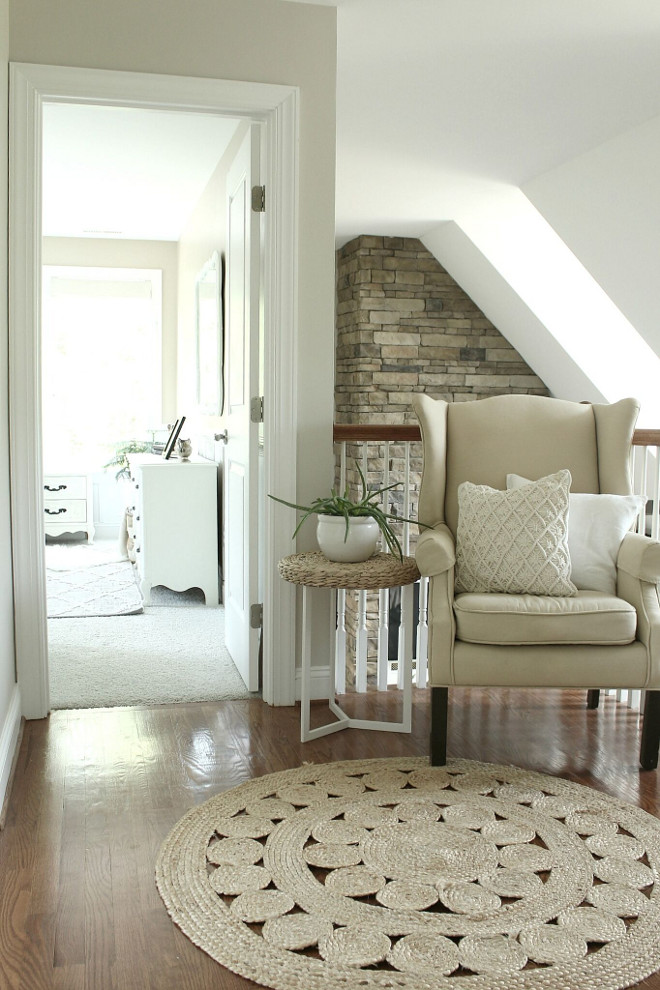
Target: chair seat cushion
{"x": 591, "y": 617}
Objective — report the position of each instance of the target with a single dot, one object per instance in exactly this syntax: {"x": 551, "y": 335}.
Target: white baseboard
{"x": 320, "y": 687}
{"x": 9, "y": 736}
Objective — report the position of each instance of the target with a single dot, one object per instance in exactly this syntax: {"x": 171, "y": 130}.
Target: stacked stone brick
{"x": 404, "y": 325}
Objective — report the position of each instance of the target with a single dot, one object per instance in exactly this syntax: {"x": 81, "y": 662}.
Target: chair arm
{"x": 639, "y": 556}
{"x": 435, "y": 551}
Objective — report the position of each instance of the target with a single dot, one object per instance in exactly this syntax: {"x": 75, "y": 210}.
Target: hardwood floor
{"x": 97, "y": 791}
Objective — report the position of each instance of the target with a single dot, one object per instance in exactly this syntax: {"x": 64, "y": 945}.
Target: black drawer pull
{"x": 54, "y": 512}
{"x": 60, "y": 488}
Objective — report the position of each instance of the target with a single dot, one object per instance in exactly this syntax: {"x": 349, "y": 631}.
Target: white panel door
{"x": 240, "y": 483}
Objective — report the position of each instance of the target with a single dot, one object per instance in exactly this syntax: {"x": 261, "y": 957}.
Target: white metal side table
{"x": 383, "y": 570}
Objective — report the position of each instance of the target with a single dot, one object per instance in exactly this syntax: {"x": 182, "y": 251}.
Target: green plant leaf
{"x": 344, "y": 506}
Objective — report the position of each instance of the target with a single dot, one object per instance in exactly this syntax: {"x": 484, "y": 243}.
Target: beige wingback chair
{"x": 590, "y": 641}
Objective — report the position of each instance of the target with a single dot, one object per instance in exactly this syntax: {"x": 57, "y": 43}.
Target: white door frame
{"x": 276, "y": 107}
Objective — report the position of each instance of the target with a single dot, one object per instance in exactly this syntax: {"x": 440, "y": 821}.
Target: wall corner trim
{"x": 9, "y": 740}
{"x": 320, "y": 683}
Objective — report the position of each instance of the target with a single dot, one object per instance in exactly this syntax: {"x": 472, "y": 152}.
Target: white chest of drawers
{"x": 68, "y": 505}
{"x": 175, "y": 518}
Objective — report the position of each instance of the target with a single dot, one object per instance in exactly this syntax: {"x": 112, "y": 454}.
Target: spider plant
{"x": 337, "y": 504}
{"x": 120, "y": 457}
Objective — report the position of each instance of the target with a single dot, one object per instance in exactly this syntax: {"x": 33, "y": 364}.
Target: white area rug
{"x": 65, "y": 556}
{"x": 393, "y": 874}
{"x": 160, "y": 657}
{"x": 103, "y": 589}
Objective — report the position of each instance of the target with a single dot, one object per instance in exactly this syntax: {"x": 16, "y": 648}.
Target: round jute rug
{"x": 394, "y": 874}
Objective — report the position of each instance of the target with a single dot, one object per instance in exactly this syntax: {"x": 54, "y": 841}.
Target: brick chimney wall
{"x": 404, "y": 325}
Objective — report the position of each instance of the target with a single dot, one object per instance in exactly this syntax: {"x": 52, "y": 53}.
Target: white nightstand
{"x": 68, "y": 505}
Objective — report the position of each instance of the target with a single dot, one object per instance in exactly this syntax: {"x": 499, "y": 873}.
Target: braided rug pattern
{"x": 396, "y": 875}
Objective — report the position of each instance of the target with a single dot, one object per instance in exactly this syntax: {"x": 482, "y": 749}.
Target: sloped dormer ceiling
{"x": 521, "y": 141}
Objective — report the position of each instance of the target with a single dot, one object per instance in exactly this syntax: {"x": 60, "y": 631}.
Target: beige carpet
{"x": 163, "y": 656}
{"x": 103, "y": 654}
{"x": 391, "y": 874}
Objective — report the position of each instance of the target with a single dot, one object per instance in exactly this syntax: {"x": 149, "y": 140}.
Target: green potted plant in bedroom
{"x": 347, "y": 530}
{"x": 122, "y": 450}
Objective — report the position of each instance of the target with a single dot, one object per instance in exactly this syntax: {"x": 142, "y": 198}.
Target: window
{"x": 101, "y": 363}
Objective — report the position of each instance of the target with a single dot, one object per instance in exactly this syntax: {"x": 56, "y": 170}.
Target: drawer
{"x": 63, "y": 486}
{"x": 65, "y": 511}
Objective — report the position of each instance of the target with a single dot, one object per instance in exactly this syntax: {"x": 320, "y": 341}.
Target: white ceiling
{"x": 436, "y": 101}
{"x": 436, "y": 98}
{"x": 126, "y": 173}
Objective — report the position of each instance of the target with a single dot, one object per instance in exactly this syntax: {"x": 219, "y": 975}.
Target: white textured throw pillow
{"x": 514, "y": 541}
{"x": 596, "y": 526}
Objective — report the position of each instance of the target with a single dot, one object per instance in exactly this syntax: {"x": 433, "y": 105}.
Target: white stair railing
{"x": 365, "y": 623}
{"x": 645, "y": 476}
{"x": 386, "y": 454}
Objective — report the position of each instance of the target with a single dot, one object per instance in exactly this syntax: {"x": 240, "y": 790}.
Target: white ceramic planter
{"x": 360, "y": 544}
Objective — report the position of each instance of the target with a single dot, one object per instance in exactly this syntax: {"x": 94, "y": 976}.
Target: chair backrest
{"x": 484, "y": 440}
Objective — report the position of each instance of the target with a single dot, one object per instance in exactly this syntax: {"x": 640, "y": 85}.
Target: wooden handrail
{"x": 401, "y": 432}
{"x": 376, "y": 431}
{"x": 646, "y": 438}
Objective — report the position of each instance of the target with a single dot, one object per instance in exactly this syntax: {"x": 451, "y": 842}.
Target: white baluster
{"x": 340, "y": 637}
{"x": 342, "y": 467}
{"x": 655, "y": 517}
{"x": 644, "y": 482}
{"x": 636, "y": 462}
{"x": 384, "y": 595}
{"x": 405, "y": 545}
{"x": 406, "y": 500}
{"x": 421, "y": 678}
{"x": 340, "y": 644}
{"x": 386, "y": 481}
{"x": 383, "y": 637}
{"x": 361, "y": 644}
{"x": 405, "y": 653}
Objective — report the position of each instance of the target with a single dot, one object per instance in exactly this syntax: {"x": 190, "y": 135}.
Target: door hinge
{"x": 256, "y": 616}
{"x": 258, "y": 199}
{"x": 257, "y": 409}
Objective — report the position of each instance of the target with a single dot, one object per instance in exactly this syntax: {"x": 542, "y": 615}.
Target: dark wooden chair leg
{"x": 648, "y": 754}
{"x": 593, "y": 697}
{"x": 439, "y": 706}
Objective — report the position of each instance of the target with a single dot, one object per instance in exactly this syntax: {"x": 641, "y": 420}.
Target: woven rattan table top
{"x": 314, "y": 570}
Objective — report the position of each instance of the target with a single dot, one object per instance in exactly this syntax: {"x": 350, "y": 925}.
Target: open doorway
{"x": 125, "y": 348}
{"x": 275, "y": 109}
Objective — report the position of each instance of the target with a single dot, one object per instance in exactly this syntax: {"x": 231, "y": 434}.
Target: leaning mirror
{"x": 210, "y": 337}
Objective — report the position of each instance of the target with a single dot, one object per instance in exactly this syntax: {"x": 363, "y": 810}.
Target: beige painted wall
{"x": 7, "y": 676}
{"x": 254, "y": 40}
{"x": 107, "y": 253}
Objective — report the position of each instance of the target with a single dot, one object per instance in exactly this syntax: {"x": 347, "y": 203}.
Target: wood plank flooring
{"x": 96, "y": 792}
